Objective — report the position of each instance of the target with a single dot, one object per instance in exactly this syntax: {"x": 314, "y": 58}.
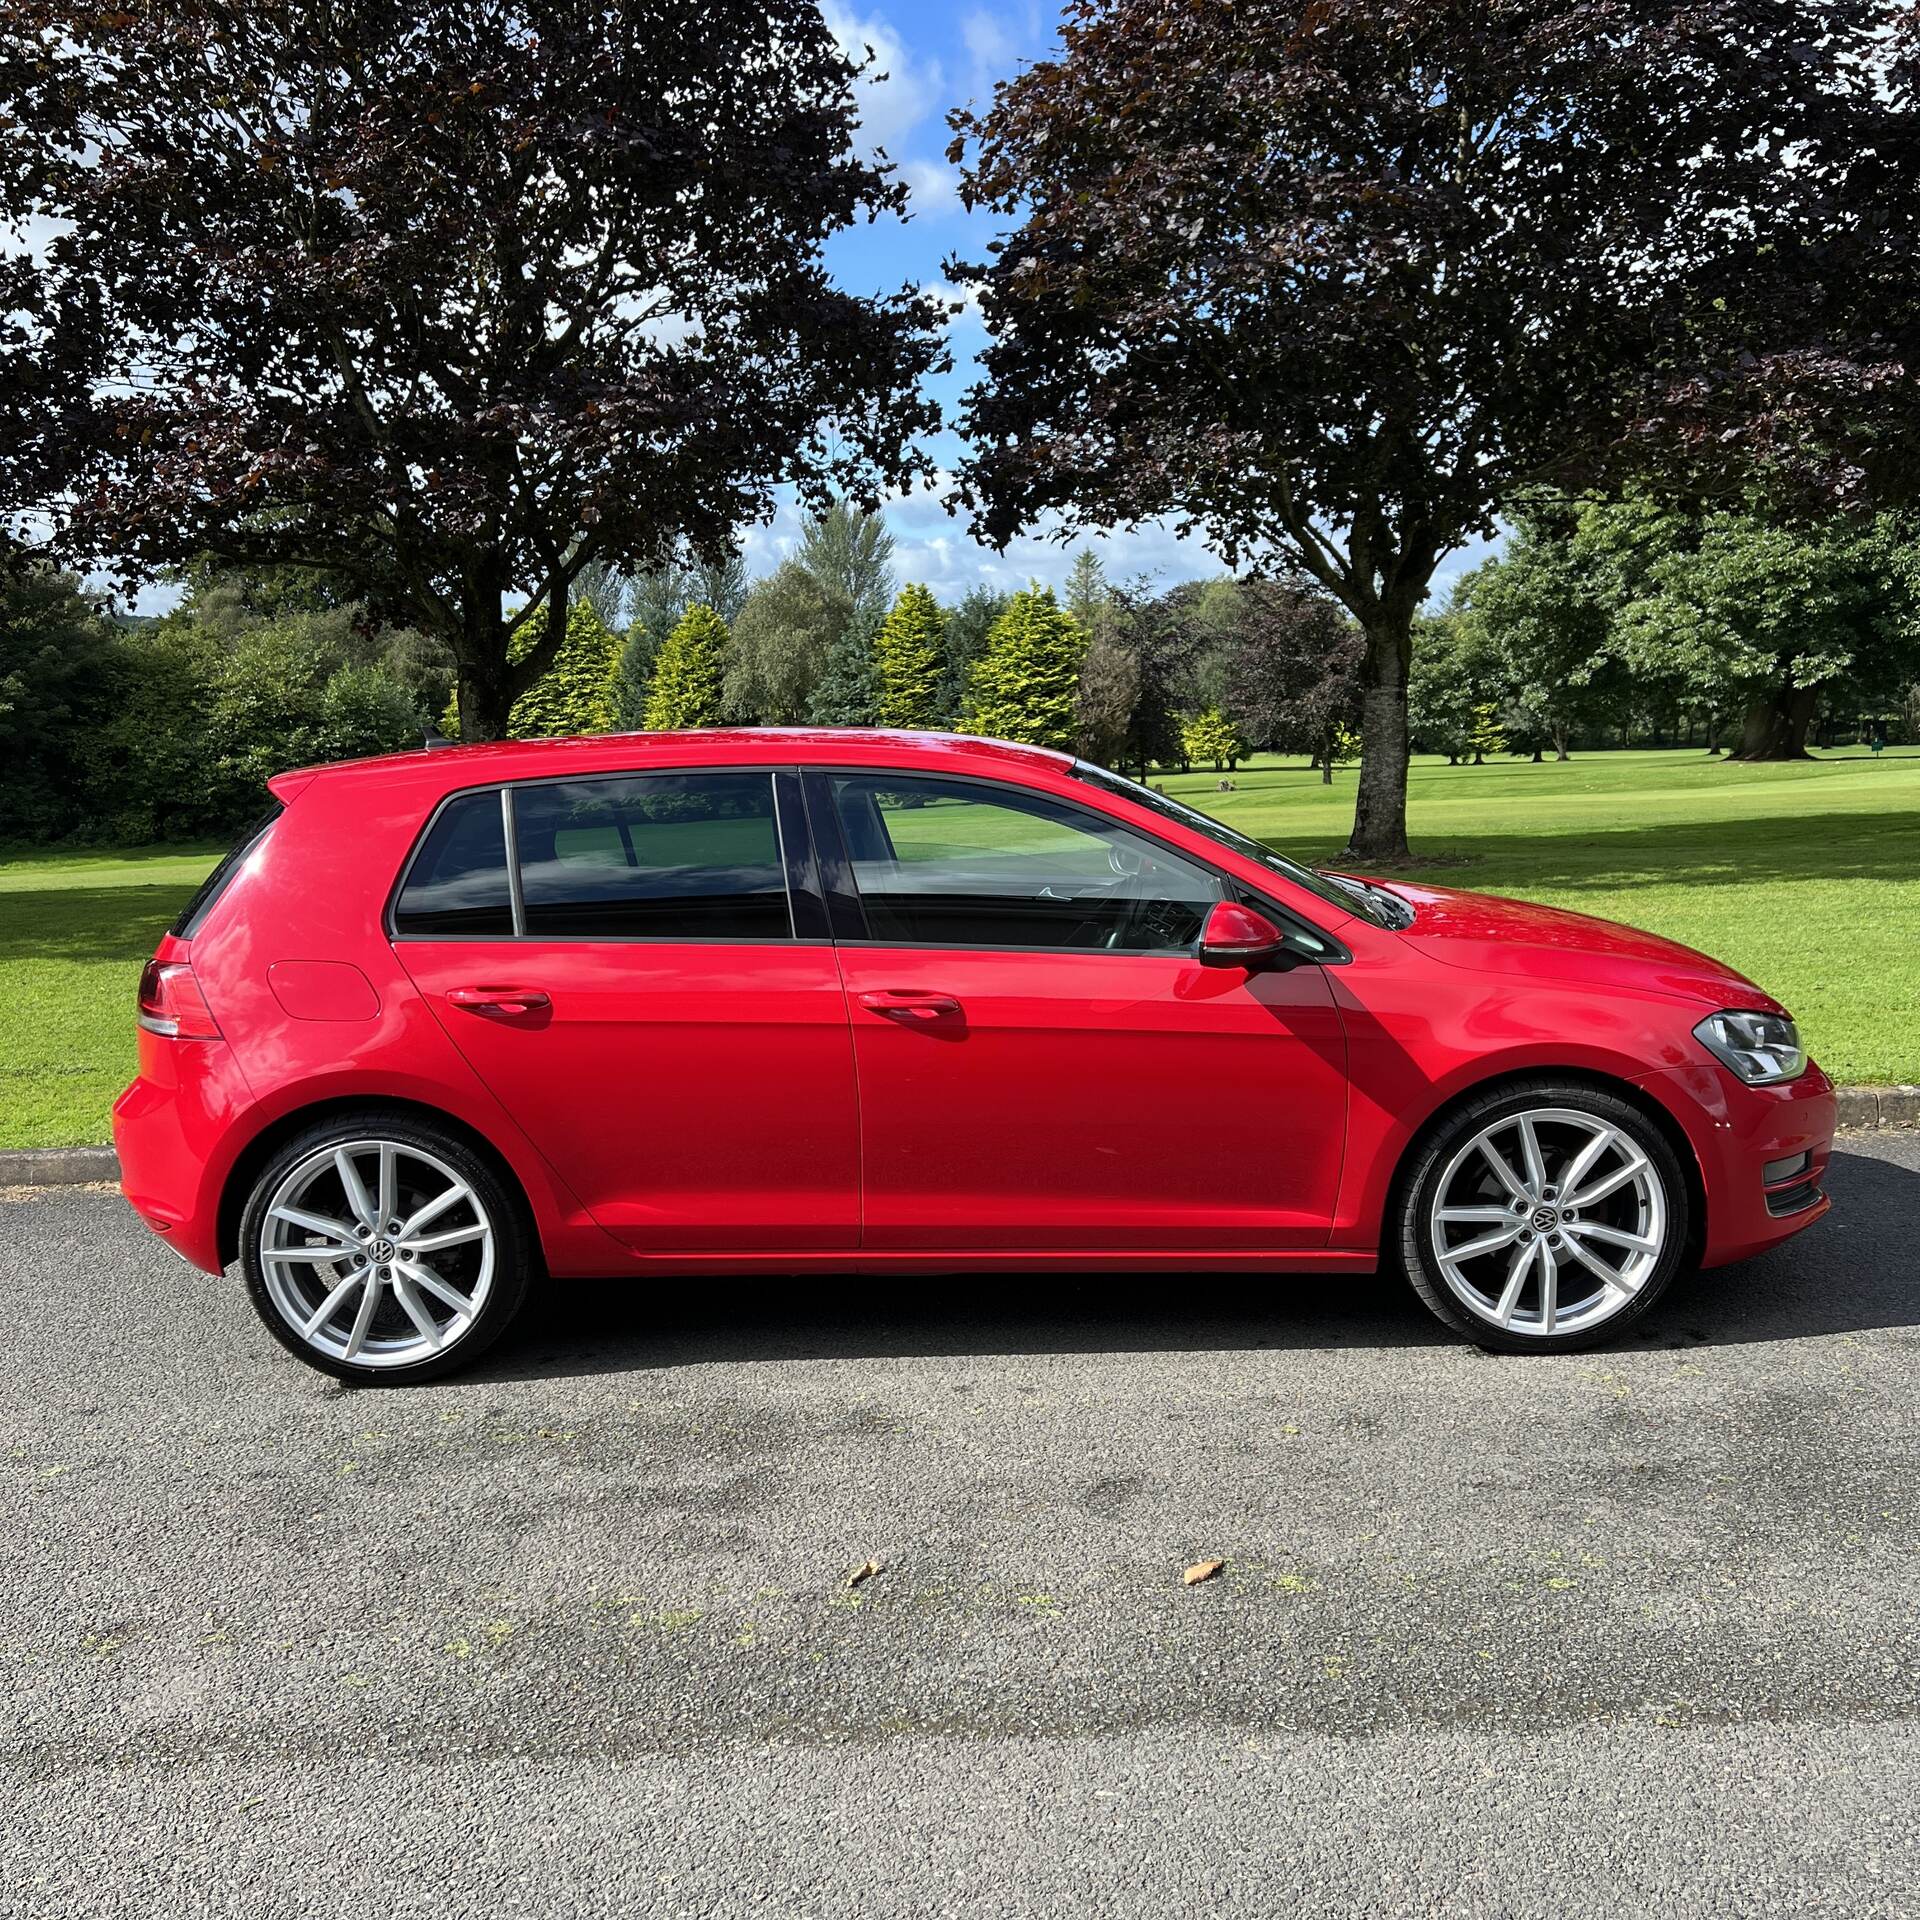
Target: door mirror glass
{"x": 1237, "y": 936}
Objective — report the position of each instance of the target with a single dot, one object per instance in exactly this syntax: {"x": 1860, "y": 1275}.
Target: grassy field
{"x": 1807, "y": 877}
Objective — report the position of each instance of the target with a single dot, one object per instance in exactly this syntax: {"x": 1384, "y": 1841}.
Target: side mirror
{"x": 1237, "y": 936}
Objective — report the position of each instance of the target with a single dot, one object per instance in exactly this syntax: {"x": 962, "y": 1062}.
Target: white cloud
{"x": 935, "y": 189}
{"x": 992, "y": 53}
{"x": 898, "y": 91}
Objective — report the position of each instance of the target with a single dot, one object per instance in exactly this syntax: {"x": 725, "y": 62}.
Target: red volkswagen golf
{"x": 446, "y": 1023}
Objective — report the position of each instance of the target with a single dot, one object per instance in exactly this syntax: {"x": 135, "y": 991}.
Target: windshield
{"x": 1368, "y": 902}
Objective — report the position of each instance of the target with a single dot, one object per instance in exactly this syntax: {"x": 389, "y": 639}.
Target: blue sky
{"x": 934, "y": 58}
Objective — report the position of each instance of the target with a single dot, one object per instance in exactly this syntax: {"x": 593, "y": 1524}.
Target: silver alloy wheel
{"x": 377, "y": 1253}
{"x": 1549, "y": 1221}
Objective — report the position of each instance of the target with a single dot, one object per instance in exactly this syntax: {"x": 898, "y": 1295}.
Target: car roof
{"x": 448, "y": 768}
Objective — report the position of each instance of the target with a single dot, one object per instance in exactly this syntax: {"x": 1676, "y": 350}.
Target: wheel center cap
{"x": 1545, "y": 1219}
{"x": 382, "y": 1249}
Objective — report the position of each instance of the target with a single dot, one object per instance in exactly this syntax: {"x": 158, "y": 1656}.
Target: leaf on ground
{"x": 1201, "y": 1570}
{"x": 864, "y": 1573}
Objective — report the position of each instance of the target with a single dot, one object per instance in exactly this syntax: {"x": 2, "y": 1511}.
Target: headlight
{"x": 1762, "y": 1048}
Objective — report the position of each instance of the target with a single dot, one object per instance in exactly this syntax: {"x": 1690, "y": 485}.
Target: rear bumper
{"x": 1762, "y": 1153}
{"x": 171, "y": 1129}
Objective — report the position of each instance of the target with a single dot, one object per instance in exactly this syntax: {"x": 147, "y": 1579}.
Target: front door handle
{"x": 907, "y": 1005}
{"x": 507, "y": 1000}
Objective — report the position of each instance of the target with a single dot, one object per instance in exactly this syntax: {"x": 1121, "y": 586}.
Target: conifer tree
{"x": 689, "y": 677}
{"x": 848, "y": 691}
{"x": 908, "y": 659}
{"x": 1026, "y": 684}
{"x": 576, "y": 693}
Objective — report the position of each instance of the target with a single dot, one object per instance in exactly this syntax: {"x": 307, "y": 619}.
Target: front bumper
{"x": 1762, "y": 1153}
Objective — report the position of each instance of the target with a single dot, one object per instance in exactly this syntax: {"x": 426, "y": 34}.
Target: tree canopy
{"x": 1333, "y": 279}
{"x": 456, "y": 298}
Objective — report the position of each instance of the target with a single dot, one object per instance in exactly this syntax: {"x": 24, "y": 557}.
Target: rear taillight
{"x": 171, "y": 1003}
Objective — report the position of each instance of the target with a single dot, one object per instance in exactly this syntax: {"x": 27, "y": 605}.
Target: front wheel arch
{"x": 1635, "y": 1096}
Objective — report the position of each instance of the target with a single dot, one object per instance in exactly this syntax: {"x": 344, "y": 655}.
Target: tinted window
{"x": 693, "y": 856}
{"x": 458, "y": 882}
{"x": 216, "y": 883}
{"x": 945, "y": 863}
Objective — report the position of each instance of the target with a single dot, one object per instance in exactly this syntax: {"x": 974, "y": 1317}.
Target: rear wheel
{"x": 1544, "y": 1217}
{"x": 380, "y": 1249}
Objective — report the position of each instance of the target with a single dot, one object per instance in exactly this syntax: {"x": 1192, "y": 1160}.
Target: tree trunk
{"x": 1776, "y": 724}
{"x": 1539, "y": 754}
{"x": 486, "y": 700}
{"x": 1713, "y": 732}
{"x": 1380, "y": 808}
{"x": 1560, "y": 744}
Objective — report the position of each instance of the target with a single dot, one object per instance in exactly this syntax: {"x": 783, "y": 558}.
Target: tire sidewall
{"x": 514, "y": 1260}
{"x": 1417, "y": 1192}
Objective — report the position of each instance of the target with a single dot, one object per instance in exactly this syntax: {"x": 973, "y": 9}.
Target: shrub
{"x": 1210, "y": 735}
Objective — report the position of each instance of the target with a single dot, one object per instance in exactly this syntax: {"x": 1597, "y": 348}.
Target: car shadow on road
{"x": 1857, "y": 1271}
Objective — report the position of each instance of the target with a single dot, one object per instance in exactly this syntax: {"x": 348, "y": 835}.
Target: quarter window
{"x": 457, "y": 884}
{"x": 692, "y": 856}
{"x": 950, "y": 863}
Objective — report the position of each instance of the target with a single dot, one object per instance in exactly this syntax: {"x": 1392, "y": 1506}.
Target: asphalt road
{"x": 1626, "y": 1633}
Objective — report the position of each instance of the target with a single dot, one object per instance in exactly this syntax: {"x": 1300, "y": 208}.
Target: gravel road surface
{"x": 1634, "y": 1632}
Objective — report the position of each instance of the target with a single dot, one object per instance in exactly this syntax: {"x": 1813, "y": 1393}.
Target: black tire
{"x": 492, "y": 1202}
{"x": 1411, "y": 1228}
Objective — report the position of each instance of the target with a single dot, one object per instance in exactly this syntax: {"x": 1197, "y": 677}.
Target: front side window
{"x": 950, "y": 863}
{"x": 685, "y": 856}
{"x": 457, "y": 885}
{"x": 1370, "y": 903}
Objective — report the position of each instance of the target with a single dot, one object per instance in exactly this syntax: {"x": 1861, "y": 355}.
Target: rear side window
{"x": 457, "y": 884}
{"x": 216, "y": 883}
{"x": 693, "y": 856}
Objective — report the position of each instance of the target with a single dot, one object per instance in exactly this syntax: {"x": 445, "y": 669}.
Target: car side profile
{"x": 850, "y": 1002}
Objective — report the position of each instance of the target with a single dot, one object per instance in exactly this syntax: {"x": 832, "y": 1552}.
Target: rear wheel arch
{"x": 1652, "y": 1109}
{"x": 258, "y": 1151}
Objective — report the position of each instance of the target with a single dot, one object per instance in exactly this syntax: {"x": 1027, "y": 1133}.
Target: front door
{"x": 1042, "y": 1062}
{"x": 680, "y": 1057}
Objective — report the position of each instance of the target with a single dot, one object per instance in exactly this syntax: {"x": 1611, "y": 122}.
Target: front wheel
{"x": 1544, "y": 1217}
{"x": 381, "y": 1250}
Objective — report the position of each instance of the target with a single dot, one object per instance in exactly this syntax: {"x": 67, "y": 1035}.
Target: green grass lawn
{"x": 74, "y": 931}
{"x": 1807, "y": 877}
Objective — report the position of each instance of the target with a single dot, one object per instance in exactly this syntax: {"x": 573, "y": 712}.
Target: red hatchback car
{"x": 892, "y": 1003}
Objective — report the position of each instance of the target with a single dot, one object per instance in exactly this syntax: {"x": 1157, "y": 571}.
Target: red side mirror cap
{"x": 1237, "y": 936}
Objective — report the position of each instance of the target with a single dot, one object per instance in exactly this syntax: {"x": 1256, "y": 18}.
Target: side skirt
{"x": 1001, "y": 1260}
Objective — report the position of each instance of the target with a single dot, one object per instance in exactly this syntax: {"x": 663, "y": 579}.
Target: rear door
{"x": 638, "y": 966}
{"x": 1043, "y": 1062}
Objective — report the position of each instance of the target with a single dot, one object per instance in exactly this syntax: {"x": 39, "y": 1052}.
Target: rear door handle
{"x": 499, "y": 999}
{"x": 907, "y": 1005}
